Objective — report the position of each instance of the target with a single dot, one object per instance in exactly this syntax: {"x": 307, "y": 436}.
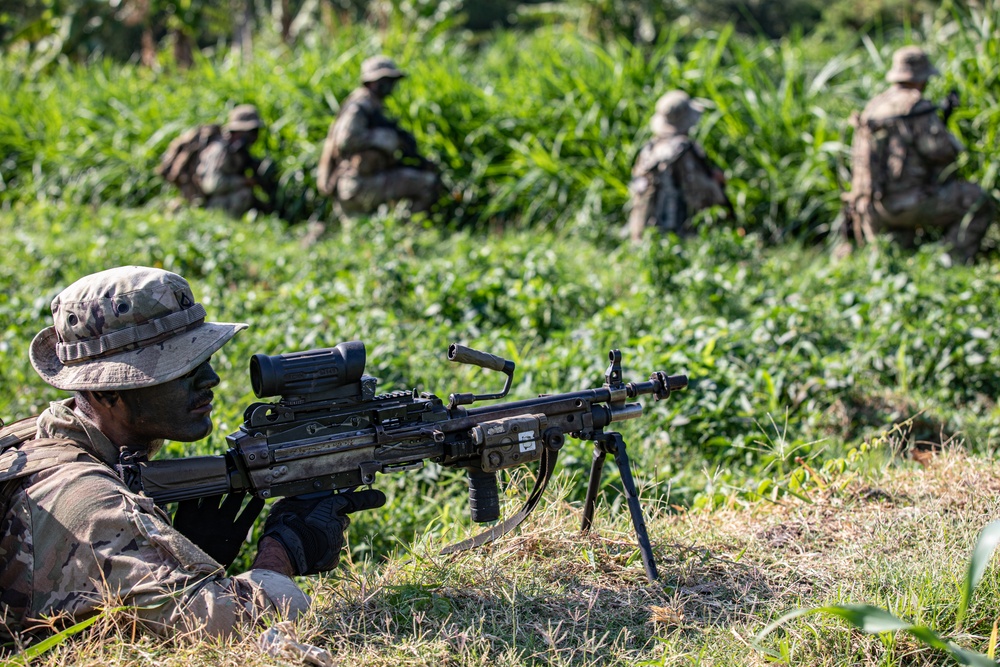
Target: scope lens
{"x": 307, "y": 373}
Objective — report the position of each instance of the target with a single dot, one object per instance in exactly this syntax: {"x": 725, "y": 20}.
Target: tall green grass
{"x": 532, "y": 129}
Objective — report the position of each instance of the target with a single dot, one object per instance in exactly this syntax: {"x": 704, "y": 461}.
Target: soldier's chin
{"x": 154, "y": 447}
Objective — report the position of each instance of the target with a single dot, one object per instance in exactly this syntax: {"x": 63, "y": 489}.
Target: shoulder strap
{"x": 14, "y": 434}
{"x": 545, "y": 467}
{"x": 22, "y": 454}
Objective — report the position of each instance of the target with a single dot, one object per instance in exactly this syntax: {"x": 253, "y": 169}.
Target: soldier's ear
{"x": 108, "y": 399}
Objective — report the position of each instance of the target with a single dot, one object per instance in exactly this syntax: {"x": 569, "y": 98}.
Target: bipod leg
{"x": 616, "y": 445}
{"x": 593, "y": 486}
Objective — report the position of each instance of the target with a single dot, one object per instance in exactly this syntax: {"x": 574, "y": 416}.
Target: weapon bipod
{"x": 613, "y": 443}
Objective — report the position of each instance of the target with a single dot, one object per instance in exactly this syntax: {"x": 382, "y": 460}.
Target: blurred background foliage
{"x": 524, "y": 119}
{"x": 124, "y": 29}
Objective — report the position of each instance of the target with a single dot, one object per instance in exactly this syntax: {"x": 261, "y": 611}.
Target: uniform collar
{"x": 61, "y": 421}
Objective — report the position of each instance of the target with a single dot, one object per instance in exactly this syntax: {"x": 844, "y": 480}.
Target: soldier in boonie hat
{"x": 672, "y": 177}
{"x": 676, "y": 112}
{"x": 76, "y": 528}
{"x": 368, "y": 160}
{"x": 125, "y": 328}
{"x": 380, "y": 67}
{"x": 910, "y": 64}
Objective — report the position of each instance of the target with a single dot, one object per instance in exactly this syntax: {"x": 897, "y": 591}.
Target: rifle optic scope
{"x": 310, "y": 372}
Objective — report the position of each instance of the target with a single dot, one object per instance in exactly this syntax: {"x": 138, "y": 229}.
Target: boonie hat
{"x": 676, "y": 111}
{"x": 244, "y": 118}
{"x": 910, "y": 64}
{"x": 379, "y": 67}
{"x": 125, "y": 328}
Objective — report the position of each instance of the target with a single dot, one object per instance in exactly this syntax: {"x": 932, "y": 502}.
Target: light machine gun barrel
{"x": 330, "y": 431}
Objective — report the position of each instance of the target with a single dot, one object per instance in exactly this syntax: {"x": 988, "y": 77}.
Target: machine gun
{"x": 330, "y": 431}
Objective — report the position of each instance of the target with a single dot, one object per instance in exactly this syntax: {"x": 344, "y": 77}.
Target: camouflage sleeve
{"x": 214, "y": 173}
{"x": 354, "y": 134}
{"x": 95, "y": 542}
{"x": 701, "y": 190}
{"x": 933, "y": 141}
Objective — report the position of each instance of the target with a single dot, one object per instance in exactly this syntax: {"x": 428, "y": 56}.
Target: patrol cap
{"x": 379, "y": 67}
{"x": 244, "y": 118}
{"x": 125, "y": 328}
{"x": 910, "y": 64}
{"x": 676, "y": 111}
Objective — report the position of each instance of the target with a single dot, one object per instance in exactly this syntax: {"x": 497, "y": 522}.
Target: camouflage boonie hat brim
{"x": 675, "y": 111}
{"x": 379, "y": 67}
{"x": 910, "y": 64}
{"x": 126, "y": 328}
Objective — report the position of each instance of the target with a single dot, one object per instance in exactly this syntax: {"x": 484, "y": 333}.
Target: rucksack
{"x": 180, "y": 160}
{"x": 326, "y": 172}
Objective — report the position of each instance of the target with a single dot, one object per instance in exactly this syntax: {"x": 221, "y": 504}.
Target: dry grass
{"x": 898, "y": 539}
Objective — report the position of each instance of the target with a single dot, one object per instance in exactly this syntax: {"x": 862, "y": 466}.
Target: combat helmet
{"x": 244, "y": 118}
{"x": 379, "y": 67}
{"x": 675, "y": 112}
{"x": 910, "y": 64}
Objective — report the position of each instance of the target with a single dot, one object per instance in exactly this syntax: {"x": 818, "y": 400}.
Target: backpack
{"x": 326, "y": 173}
{"x": 878, "y": 151}
{"x": 180, "y": 160}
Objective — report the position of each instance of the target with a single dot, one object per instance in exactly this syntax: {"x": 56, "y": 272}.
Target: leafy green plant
{"x": 877, "y": 621}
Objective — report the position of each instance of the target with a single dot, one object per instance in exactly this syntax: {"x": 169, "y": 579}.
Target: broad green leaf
{"x": 980, "y": 559}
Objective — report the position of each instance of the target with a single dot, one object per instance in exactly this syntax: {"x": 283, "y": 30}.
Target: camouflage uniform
{"x": 213, "y": 170}
{"x": 672, "y": 178}
{"x": 73, "y": 536}
{"x": 224, "y": 169}
{"x": 902, "y": 157}
{"x": 361, "y": 160}
{"x": 76, "y": 539}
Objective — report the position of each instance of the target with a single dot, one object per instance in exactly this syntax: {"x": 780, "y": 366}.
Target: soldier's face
{"x": 384, "y": 87}
{"x": 240, "y": 140}
{"x": 179, "y": 410}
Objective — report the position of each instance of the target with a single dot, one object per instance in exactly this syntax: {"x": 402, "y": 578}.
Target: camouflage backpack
{"x": 326, "y": 173}
{"x": 180, "y": 161}
{"x": 878, "y": 152}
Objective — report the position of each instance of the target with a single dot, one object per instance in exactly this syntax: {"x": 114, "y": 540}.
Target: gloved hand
{"x": 311, "y": 527}
{"x": 216, "y": 528}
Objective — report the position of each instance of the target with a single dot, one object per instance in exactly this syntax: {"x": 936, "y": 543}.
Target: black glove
{"x": 311, "y": 527}
{"x": 216, "y": 528}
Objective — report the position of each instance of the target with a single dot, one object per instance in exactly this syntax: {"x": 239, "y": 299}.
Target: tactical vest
{"x": 22, "y": 454}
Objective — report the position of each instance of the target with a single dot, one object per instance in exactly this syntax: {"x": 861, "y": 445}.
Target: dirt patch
{"x": 856, "y": 415}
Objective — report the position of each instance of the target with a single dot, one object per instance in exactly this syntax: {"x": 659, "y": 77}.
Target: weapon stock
{"x": 951, "y": 102}
{"x": 330, "y": 431}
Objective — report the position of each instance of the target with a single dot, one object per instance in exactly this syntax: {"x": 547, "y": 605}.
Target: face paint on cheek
{"x": 176, "y": 410}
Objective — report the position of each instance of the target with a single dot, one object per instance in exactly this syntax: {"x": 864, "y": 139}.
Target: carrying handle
{"x": 461, "y": 354}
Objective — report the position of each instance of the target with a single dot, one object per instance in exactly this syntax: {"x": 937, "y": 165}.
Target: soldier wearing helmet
{"x": 76, "y": 532}
{"x": 367, "y": 159}
{"x": 672, "y": 178}
{"x": 214, "y": 168}
{"x": 903, "y": 156}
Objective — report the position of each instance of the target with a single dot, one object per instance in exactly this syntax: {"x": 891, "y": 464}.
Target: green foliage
{"x": 790, "y": 356}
